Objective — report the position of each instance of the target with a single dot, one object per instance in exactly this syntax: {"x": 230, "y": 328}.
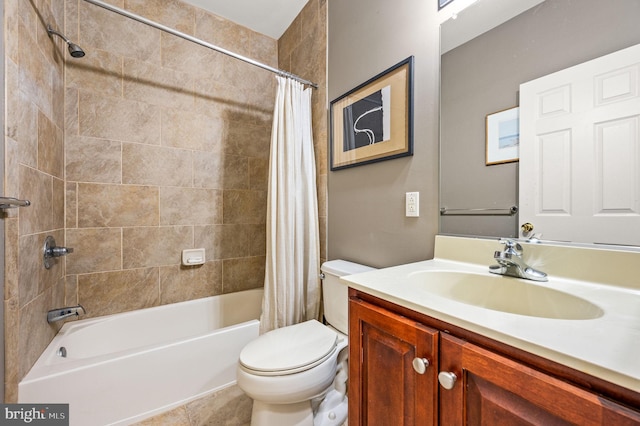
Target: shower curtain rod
{"x": 200, "y": 42}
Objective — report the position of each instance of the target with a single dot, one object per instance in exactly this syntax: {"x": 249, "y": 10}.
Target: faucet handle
{"x": 511, "y": 246}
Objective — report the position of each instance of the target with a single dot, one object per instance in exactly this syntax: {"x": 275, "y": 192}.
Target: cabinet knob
{"x": 447, "y": 379}
{"x": 420, "y": 365}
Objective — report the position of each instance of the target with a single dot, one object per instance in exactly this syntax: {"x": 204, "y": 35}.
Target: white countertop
{"x": 607, "y": 347}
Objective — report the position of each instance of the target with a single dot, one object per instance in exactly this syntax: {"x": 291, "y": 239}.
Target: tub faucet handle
{"x": 50, "y": 250}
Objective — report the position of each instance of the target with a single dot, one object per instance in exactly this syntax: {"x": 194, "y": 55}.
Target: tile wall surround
{"x": 34, "y": 170}
{"x": 182, "y": 137}
{"x": 136, "y": 152}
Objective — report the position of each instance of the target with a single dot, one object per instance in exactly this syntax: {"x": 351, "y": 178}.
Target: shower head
{"x": 74, "y": 50}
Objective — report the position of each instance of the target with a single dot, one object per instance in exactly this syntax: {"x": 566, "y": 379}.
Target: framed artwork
{"x": 374, "y": 121}
{"x": 443, "y": 3}
{"x": 502, "y": 137}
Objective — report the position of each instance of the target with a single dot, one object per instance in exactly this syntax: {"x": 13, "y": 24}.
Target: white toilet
{"x": 297, "y": 375}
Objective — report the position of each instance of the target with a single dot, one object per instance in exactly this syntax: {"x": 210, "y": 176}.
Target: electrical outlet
{"x": 412, "y": 204}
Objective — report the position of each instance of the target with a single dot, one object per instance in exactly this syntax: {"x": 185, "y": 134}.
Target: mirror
{"x": 481, "y": 71}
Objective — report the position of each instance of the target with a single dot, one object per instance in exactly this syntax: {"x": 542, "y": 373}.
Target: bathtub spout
{"x": 63, "y": 313}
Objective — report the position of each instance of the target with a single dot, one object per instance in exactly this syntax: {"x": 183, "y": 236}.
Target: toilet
{"x": 297, "y": 375}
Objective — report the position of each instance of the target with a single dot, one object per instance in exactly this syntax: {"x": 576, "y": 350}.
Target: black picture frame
{"x": 374, "y": 121}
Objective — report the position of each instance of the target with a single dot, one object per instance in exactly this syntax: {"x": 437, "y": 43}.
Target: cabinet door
{"x": 384, "y": 387}
{"x": 494, "y": 390}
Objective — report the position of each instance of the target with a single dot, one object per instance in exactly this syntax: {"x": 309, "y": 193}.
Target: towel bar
{"x": 487, "y": 212}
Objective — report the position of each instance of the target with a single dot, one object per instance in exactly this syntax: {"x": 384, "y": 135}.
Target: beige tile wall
{"x": 166, "y": 146}
{"x": 34, "y": 170}
{"x": 135, "y": 152}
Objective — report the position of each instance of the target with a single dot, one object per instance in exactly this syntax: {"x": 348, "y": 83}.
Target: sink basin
{"x": 505, "y": 294}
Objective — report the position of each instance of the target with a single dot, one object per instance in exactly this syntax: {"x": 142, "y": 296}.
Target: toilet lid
{"x": 289, "y": 350}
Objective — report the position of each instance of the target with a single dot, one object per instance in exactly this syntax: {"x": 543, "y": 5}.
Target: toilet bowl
{"x": 296, "y": 375}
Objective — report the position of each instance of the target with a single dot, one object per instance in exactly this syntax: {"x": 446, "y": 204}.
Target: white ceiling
{"x": 273, "y": 17}
{"x": 269, "y": 17}
{"x": 464, "y": 20}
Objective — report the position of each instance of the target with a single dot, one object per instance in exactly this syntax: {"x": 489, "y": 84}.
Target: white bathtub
{"x": 123, "y": 368}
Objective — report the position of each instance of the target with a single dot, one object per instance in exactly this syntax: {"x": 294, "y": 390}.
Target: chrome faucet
{"x": 59, "y": 314}
{"x": 510, "y": 263}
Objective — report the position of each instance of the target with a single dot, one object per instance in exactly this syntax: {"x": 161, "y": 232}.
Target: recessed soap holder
{"x": 193, "y": 257}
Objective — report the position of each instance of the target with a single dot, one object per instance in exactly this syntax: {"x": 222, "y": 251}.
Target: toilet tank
{"x": 335, "y": 294}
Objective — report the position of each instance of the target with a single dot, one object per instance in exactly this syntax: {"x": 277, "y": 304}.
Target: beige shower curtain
{"x": 292, "y": 283}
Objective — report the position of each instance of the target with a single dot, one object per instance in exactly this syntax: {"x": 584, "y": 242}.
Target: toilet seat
{"x": 289, "y": 350}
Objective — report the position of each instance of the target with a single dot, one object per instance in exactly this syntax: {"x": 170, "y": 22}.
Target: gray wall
{"x": 483, "y": 76}
{"x": 366, "y": 221}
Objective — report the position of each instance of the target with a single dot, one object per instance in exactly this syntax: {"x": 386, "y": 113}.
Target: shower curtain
{"x": 292, "y": 283}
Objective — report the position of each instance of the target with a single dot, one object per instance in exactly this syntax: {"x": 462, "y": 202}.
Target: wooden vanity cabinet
{"x": 384, "y": 387}
{"x": 495, "y": 390}
{"x": 489, "y": 388}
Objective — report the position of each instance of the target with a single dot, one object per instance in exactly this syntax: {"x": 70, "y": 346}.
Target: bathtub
{"x": 123, "y": 368}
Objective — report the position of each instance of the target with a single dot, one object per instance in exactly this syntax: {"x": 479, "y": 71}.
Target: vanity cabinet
{"x": 495, "y": 390}
{"x": 384, "y": 387}
{"x": 482, "y": 385}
